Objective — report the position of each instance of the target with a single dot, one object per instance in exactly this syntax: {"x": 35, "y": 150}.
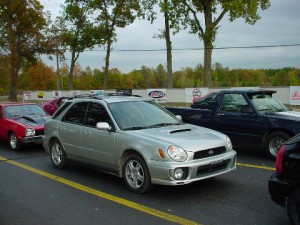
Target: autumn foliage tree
{"x": 203, "y": 18}
{"x": 22, "y": 23}
{"x": 41, "y": 76}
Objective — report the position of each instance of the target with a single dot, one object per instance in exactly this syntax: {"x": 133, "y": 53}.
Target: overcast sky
{"x": 279, "y": 25}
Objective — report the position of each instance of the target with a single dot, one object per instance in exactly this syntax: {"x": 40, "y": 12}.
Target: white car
{"x": 136, "y": 139}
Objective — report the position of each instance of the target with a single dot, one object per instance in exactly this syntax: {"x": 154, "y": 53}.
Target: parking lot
{"x": 34, "y": 192}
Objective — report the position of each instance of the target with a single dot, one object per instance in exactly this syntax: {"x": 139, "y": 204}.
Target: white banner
{"x": 295, "y": 95}
{"x": 159, "y": 95}
{"x": 194, "y": 94}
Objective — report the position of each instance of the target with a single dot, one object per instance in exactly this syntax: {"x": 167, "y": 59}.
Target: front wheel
{"x": 274, "y": 142}
{"x": 14, "y": 144}
{"x": 58, "y": 155}
{"x": 293, "y": 207}
{"x": 136, "y": 175}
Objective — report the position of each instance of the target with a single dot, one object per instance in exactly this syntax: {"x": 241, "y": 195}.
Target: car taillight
{"x": 279, "y": 159}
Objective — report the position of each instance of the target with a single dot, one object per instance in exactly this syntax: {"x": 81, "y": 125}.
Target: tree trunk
{"x": 14, "y": 72}
{"x": 71, "y": 71}
{"x": 58, "y": 81}
{"x": 105, "y": 78}
{"x": 208, "y": 47}
{"x": 169, "y": 49}
{"x": 208, "y": 41}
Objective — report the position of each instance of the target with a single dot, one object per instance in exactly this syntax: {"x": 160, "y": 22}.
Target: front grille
{"x": 211, "y": 168}
{"x": 39, "y": 132}
{"x": 209, "y": 152}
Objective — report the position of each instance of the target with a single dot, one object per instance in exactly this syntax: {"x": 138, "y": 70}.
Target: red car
{"x": 22, "y": 123}
{"x": 52, "y": 105}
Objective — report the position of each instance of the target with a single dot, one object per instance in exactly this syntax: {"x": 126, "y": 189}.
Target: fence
{"x": 288, "y": 95}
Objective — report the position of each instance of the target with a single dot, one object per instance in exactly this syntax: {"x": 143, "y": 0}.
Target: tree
{"x": 207, "y": 30}
{"x": 110, "y": 15}
{"x": 170, "y": 22}
{"x": 22, "y": 23}
{"x": 81, "y": 33}
{"x": 41, "y": 77}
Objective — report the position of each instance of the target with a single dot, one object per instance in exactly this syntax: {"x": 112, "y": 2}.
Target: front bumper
{"x": 33, "y": 139}
{"x": 279, "y": 189}
{"x": 163, "y": 173}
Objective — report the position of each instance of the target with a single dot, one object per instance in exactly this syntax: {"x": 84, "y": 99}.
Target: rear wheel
{"x": 274, "y": 142}
{"x": 58, "y": 155}
{"x": 14, "y": 144}
{"x": 136, "y": 174}
{"x": 293, "y": 207}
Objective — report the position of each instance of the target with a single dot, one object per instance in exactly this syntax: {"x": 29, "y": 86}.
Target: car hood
{"x": 31, "y": 120}
{"x": 187, "y": 136}
{"x": 290, "y": 115}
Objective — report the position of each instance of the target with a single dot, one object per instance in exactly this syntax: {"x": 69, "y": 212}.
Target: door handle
{"x": 220, "y": 114}
{"x": 86, "y": 132}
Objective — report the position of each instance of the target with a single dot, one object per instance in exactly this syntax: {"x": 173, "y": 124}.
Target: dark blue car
{"x": 253, "y": 119}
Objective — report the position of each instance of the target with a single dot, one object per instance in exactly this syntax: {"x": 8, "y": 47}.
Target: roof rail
{"x": 94, "y": 96}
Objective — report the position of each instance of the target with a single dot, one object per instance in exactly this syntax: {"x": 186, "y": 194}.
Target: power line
{"x": 197, "y": 49}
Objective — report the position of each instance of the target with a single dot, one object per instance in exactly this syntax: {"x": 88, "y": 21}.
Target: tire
{"x": 58, "y": 155}
{"x": 293, "y": 207}
{"x": 274, "y": 142}
{"x": 14, "y": 144}
{"x": 136, "y": 174}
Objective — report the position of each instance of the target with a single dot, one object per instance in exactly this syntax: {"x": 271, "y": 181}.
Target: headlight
{"x": 30, "y": 132}
{"x": 177, "y": 154}
{"x": 228, "y": 142}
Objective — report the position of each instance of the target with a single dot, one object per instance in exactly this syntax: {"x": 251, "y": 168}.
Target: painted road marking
{"x": 255, "y": 166}
{"x": 104, "y": 195}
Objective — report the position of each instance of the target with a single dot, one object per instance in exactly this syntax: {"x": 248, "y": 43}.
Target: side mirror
{"x": 179, "y": 117}
{"x": 103, "y": 126}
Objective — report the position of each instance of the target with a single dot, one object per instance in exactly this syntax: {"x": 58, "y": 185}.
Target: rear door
{"x": 69, "y": 129}
{"x": 98, "y": 146}
{"x": 236, "y": 118}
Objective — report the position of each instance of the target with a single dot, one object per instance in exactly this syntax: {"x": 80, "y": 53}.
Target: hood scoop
{"x": 178, "y": 131}
{"x": 29, "y": 119}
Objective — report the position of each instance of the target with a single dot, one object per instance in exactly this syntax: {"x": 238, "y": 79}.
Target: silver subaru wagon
{"x": 136, "y": 139}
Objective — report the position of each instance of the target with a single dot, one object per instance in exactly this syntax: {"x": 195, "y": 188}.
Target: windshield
{"x": 267, "y": 103}
{"x": 134, "y": 115}
{"x": 23, "y": 110}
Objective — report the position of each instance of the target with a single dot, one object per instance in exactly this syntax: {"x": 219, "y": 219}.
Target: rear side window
{"x": 96, "y": 113}
{"x": 235, "y": 103}
{"x": 76, "y": 113}
{"x": 61, "y": 109}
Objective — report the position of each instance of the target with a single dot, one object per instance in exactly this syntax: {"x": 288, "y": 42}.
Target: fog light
{"x": 178, "y": 173}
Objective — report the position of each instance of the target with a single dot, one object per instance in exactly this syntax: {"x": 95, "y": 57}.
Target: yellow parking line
{"x": 255, "y": 166}
{"x": 104, "y": 195}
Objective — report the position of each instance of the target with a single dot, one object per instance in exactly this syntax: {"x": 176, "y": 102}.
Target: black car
{"x": 284, "y": 185}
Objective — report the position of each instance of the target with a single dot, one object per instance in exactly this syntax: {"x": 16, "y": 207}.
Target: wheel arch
{"x": 123, "y": 158}
{"x": 268, "y": 133}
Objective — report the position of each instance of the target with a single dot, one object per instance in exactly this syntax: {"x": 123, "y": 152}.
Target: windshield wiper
{"x": 135, "y": 128}
{"x": 163, "y": 125}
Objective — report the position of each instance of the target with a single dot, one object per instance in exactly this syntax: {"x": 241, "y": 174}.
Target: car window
{"x": 23, "y": 110}
{"x": 235, "y": 103}
{"x": 76, "y": 113}
{"x": 61, "y": 109}
{"x": 266, "y": 102}
{"x": 130, "y": 114}
{"x": 207, "y": 102}
{"x": 96, "y": 113}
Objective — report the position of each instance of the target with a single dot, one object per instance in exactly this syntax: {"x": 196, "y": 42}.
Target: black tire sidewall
{"x": 63, "y": 163}
{"x": 146, "y": 186}
{"x": 18, "y": 145}
{"x": 280, "y": 134}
